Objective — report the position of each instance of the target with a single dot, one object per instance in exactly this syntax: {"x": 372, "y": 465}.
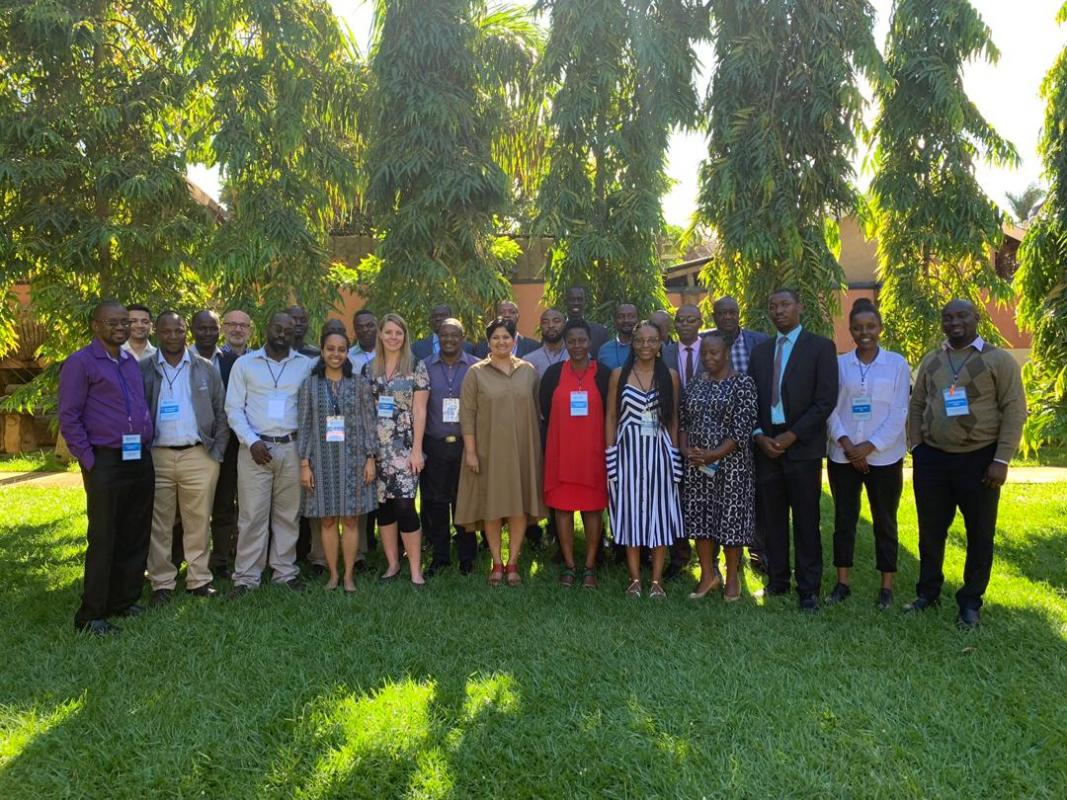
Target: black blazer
{"x": 809, "y": 391}
{"x": 525, "y": 346}
{"x": 226, "y": 362}
{"x": 550, "y": 382}
{"x": 423, "y": 348}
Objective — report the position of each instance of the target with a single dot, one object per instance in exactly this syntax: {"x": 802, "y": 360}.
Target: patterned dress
{"x": 643, "y": 475}
{"x": 721, "y": 506}
{"x": 396, "y": 433}
{"x": 337, "y": 466}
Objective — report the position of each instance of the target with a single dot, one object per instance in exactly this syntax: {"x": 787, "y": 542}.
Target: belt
{"x": 177, "y": 446}
{"x": 445, "y": 439}
{"x": 289, "y": 437}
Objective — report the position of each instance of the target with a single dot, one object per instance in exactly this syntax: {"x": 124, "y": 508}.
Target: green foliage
{"x": 1042, "y": 277}
{"x": 782, "y": 116}
{"x": 1026, "y": 203}
{"x": 449, "y": 74}
{"x": 623, "y": 70}
{"x": 934, "y": 225}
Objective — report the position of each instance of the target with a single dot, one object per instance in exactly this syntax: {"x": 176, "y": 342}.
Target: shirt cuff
{"x": 757, "y": 432}
{"x": 1001, "y": 461}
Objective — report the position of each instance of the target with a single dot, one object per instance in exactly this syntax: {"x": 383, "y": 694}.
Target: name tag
{"x": 386, "y": 406}
{"x": 861, "y": 407}
{"x": 710, "y": 469}
{"x": 450, "y": 409}
{"x": 956, "y": 404}
{"x": 169, "y": 410}
{"x": 131, "y": 447}
{"x": 335, "y": 428}
{"x": 649, "y": 423}
{"x": 579, "y": 404}
{"x": 276, "y": 407}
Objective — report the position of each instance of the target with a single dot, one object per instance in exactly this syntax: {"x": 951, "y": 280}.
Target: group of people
{"x": 717, "y": 436}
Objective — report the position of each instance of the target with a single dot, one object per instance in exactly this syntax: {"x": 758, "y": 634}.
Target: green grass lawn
{"x": 461, "y": 691}
{"x": 34, "y": 461}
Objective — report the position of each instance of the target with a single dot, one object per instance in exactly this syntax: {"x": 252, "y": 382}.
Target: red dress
{"x": 575, "y": 474}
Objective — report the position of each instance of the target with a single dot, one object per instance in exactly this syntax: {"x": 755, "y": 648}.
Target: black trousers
{"x": 224, "y": 510}
{"x": 440, "y": 482}
{"x": 785, "y": 486}
{"x": 884, "y": 486}
{"x": 944, "y": 482}
{"x": 118, "y": 504}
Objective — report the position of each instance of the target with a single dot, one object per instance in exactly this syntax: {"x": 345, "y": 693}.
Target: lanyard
{"x": 271, "y": 371}
{"x": 335, "y": 396}
{"x": 171, "y": 381}
{"x": 450, "y": 375}
{"x": 863, "y": 372}
{"x": 558, "y": 358}
{"x": 125, "y": 392}
{"x": 581, "y": 378}
{"x": 957, "y": 370}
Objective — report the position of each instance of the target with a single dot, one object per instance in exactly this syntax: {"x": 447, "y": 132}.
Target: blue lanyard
{"x": 335, "y": 397}
{"x": 863, "y": 372}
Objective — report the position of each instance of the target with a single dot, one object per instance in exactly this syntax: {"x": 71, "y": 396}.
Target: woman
{"x": 867, "y": 448}
{"x": 501, "y": 481}
{"x": 401, "y": 387}
{"x": 643, "y": 462}
{"x": 574, "y": 397}
{"x": 718, "y": 490}
{"x": 337, "y": 441}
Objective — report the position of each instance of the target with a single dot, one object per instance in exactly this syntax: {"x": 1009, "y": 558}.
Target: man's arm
{"x": 236, "y": 396}
{"x": 917, "y": 405}
{"x": 73, "y": 390}
{"x": 1011, "y": 400}
{"x": 824, "y": 396}
{"x": 221, "y": 428}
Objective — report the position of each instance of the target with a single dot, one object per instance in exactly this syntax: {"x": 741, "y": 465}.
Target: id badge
{"x": 131, "y": 447}
{"x": 386, "y": 405}
{"x": 335, "y": 428}
{"x": 450, "y": 409}
{"x": 710, "y": 469}
{"x": 956, "y": 404}
{"x": 861, "y": 407}
{"x": 579, "y": 404}
{"x": 649, "y": 424}
{"x": 276, "y": 407}
{"x": 169, "y": 410}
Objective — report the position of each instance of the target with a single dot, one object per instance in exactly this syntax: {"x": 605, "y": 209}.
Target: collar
{"x": 262, "y": 353}
{"x": 161, "y": 359}
{"x": 464, "y": 358}
{"x": 978, "y": 344}
{"x": 792, "y": 336}
{"x": 98, "y": 350}
{"x": 217, "y": 354}
{"x": 694, "y": 345}
{"x": 879, "y": 357}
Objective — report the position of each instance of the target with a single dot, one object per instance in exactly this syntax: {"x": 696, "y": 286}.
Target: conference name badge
{"x": 710, "y": 469}
{"x": 450, "y": 409}
{"x": 649, "y": 423}
{"x": 169, "y": 410}
{"x": 131, "y": 447}
{"x": 335, "y": 428}
{"x": 579, "y": 404}
{"x": 861, "y": 407}
{"x": 386, "y": 406}
{"x": 956, "y": 404}
{"x": 276, "y": 407}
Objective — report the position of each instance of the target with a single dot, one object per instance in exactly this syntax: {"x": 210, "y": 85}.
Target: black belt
{"x": 289, "y": 437}
{"x": 177, "y": 446}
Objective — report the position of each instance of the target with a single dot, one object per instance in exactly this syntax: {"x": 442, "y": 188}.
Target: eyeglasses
{"x": 116, "y": 323}
{"x": 237, "y": 324}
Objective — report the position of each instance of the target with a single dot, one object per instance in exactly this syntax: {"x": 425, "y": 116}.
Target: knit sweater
{"x": 997, "y": 404}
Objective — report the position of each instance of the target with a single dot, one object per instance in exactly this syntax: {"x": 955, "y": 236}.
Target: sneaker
{"x": 885, "y": 599}
{"x": 839, "y": 594}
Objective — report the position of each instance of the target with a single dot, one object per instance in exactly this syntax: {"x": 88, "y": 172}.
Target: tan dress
{"x": 501, "y": 412}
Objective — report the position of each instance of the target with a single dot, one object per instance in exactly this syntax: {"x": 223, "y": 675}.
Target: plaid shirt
{"x": 739, "y": 354}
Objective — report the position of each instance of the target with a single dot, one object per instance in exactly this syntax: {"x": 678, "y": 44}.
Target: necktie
{"x": 688, "y": 363}
{"x": 776, "y": 379}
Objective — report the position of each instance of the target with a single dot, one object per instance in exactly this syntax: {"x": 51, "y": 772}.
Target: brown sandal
{"x": 512, "y": 572}
{"x": 566, "y": 577}
{"x": 634, "y": 589}
{"x": 496, "y": 575}
{"x": 589, "y": 580}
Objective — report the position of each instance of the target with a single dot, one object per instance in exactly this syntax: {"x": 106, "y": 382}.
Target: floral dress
{"x": 396, "y": 429}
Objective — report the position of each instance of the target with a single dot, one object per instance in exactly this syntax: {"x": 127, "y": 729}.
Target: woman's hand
{"x": 370, "y": 471}
{"x": 696, "y": 456}
{"x": 307, "y": 478}
{"x": 471, "y": 460}
{"x": 416, "y": 461}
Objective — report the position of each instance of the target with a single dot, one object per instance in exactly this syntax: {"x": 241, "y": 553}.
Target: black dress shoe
{"x": 132, "y": 611}
{"x": 466, "y": 567}
{"x": 808, "y": 603}
{"x": 295, "y": 585}
{"x": 98, "y": 627}
{"x": 672, "y": 571}
{"x": 885, "y": 599}
{"x": 207, "y": 590}
{"x": 839, "y": 594}
{"x": 920, "y": 603}
{"x": 318, "y": 570}
{"x": 772, "y": 591}
{"x": 222, "y": 572}
{"x": 238, "y": 591}
{"x": 160, "y": 597}
{"x": 969, "y": 618}
{"x": 436, "y": 568}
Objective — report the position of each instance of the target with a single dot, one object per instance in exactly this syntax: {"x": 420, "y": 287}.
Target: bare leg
{"x": 391, "y": 548}
{"x": 516, "y": 534}
{"x": 843, "y": 577}
{"x": 659, "y": 554}
{"x": 593, "y": 521}
{"x": 328, "y": 532}
{"x": 565, "y": 534}
{"x": 709, "y": 573}
{"x": 633, "y": 562}
{"x": 887, "y": 580}
{"x": 492, "y": 537}
{"x": 413, "y": 546}
{"x": 733, "y": 560}
{"x": 350, "y": 527}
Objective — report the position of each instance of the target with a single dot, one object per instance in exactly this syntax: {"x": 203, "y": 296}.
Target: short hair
{"x": 170, "y": 312}
{"x": 105, "y": 304}
{"x": 138, "y": 307}
{"x": 577, "y": 324}
{"x": 864, "y": 305}
{"x": 363, "y": 312}
{"x": 714, "y": 334}
{"x": 500, "y": 322}
{"x": 785, "y": 290}
{"x": 453, "y": 322}
{"x": 333, "y": 330}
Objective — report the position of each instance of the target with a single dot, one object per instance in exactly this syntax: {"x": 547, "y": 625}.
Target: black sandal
{"x": 566, "y": 577}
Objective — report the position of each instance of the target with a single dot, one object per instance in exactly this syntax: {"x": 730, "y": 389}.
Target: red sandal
{"x": 496, "y": 575}
{"x": 512, "y": 570}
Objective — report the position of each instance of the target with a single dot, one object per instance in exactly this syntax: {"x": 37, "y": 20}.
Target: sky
{"x": 1007, "y": 94}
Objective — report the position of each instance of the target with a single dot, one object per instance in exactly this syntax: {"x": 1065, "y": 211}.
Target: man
{"x": 424, "y": 348}
{"x": 796, "y": 380}
{"x": 205, "y": 326}
{"x": 613, "y": 354}
{"x": 506, "y": 309}
{"x": 186, "y": 399}
{"x": 664, "y": 321}
{"x": 107, "y": 426}
{"x": 137, "y": 344}
{"x": 965, "y": 420}
{"x": 551, "y": 350}
{"x": 365, "y": 329}
{"x": 574, "y": 298}
{"x": 261, "y": 409}
{"x": 300, "y": 329}
{"x": 443, "y": 445}
{"x": 237, "y": 326}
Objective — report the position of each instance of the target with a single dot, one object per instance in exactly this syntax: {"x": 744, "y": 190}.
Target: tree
{"x": 1042, "y": 277}
{"x": 935, "y": 227}
{"x": 449, "y": 75}
{"x": 1027, "y": 203}
{"x": 624, "y": 74}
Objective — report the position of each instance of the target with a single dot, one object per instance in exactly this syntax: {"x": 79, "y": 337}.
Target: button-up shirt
{"x": 215, "y": 358}
{"x": 684, "y": 351}
{"x": 542, "y": 358}
{"x": 739, "y": 354}
{"x": 100, "y": 400}
{"x": 445, "y": 381}
{"x": 256, "y": 379}
{"x": 885, "y": 383}
{"x": 149, "y": 350}
{"x": 613, "y": 354}
{"x": 359, "y": 358}
{"x": 790, "y": 339}
{"x": 183, "y": 429}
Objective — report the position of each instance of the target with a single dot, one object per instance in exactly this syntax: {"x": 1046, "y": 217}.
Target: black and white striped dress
{"x": 643, "y": 476}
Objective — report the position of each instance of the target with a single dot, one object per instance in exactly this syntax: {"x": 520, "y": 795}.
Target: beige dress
{"x": 501, "y": 412}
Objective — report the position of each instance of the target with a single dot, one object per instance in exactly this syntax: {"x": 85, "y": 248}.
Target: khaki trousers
{"x": 268, "y": 500}
{"x": 185, "y": 482}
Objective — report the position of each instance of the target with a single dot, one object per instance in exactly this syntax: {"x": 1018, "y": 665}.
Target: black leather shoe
{"x": 839, "y": 594}
{"x": 223, "y": 573}
{"x": 808, "y": 603}
{"x": 969, "y": 618}
{"x": 318, "y": 570}
{"x": 672, "y": 571}
{"x": 360, "y": 565}
{"x": 295, "y": 584}
{"x": 98, "y": 627}
{"x": 435, "y": 568}
{"x": 466, "y": 567}
{"x": 238, "y": 591}
{"x": 920, "y": 603}
{"x": 160, "y": 597}
{"x": 207, "y": 590}
{"x": 885, "y": 599}
{"x": 772, "y": 591}
{"x": 132, "y": 611}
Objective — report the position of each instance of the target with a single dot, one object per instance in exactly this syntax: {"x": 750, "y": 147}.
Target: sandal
{"x": 512, "y": 571}
{"x": 566, "y": 577}
{"x": 496, "y": 575}
{"x": 634, "y": 589}
{"x": 656, "y": 591}
{"x": 589, "y": 580}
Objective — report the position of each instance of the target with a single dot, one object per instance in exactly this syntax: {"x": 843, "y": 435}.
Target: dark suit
{"x": 423, "y": 348}
{"x": 524, "y": 346}
{"x": 224, "y": 508}
{"x": 793, "y": 481}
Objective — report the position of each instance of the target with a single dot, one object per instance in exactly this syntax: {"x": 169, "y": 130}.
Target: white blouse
{"x": 872, "y": 406}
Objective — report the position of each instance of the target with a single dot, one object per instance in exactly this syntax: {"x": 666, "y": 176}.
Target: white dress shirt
{"x": 179, "y": 430}
{"x": 254, "y": 382}
{"x": 359, "y": 358}
{"x": 886, "y": 382}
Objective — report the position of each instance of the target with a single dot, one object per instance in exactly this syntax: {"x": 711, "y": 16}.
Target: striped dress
{"x": 643, "y": 475}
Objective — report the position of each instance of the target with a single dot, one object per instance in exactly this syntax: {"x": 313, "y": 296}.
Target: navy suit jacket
{"x": 423, "y": 348}
{"x": 526, "y": 345}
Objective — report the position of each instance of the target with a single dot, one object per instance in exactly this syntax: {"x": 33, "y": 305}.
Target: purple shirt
{"x": 445, "y": 381}
{"x": 100, "y": 400}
